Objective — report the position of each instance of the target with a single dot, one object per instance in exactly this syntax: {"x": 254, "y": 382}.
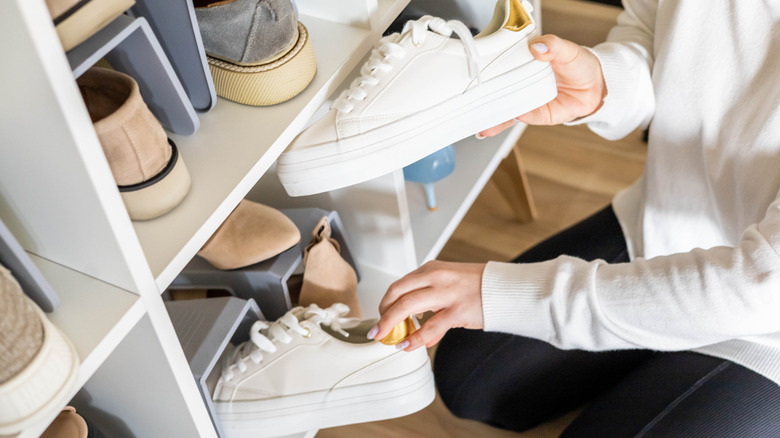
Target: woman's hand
{"x": 581, "y": 87}
{"x": 452, "y": 290}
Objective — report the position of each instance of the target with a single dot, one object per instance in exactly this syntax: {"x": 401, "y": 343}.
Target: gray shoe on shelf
{"x": 247, "y": 32}
{"x": 258, "y": 52}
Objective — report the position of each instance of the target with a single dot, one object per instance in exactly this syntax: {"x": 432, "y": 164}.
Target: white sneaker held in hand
{"x": 313, "y": 368}
{"x": 421, "y": 90}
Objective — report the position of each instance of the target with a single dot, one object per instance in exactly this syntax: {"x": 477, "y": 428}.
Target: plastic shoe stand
{"x": 204, "y": 328}
{"x": 266, "y": 282}
{"x": 16, "y": 260}
{"x": 130, "y": 46}
{"x": 176, "y": 27}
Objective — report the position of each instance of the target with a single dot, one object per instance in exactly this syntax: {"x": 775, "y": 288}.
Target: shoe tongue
{"x": 347, "y": 334}
{"x": 334, "y": 317}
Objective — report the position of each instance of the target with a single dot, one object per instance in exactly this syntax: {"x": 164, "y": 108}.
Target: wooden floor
{"x": 572, "y": 173}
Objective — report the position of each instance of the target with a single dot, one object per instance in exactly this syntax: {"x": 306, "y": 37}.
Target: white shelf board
{"x": 475, "y": 162}
{"x": 94, "y": 315}
{"x": 235, "y": 146}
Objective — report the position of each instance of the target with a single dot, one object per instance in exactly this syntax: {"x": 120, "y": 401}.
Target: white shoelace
{"x": 389, "y": 47}
{"x": 263, "y": 335}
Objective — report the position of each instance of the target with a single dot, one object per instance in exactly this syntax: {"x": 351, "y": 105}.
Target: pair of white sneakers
{"x": 420, "y": 91}
{"x": 315, "y": 368}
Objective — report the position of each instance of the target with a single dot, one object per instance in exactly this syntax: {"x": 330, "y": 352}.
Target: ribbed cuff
{"x": 515, "y": 298}
{"x": 623, "y": 77}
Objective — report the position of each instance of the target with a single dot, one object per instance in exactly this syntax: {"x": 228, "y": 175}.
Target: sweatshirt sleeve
{"x": 626, "y": 61}
{"x": 675, "y": 302}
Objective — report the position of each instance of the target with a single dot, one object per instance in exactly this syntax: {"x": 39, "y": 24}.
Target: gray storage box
{"x": 205, "y": 327}
{"x": 266, "y": 282}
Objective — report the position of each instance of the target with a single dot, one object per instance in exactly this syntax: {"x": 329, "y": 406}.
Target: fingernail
{"x": 372, "y": 333}
{"x": 402, "y": 345}
{"x": 540, "y": 47}
{"x": 479, "y": 136}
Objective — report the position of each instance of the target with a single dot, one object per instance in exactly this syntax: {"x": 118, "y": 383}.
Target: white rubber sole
{"x": 43, "y": 388}
{"x": 398, "y": 144}
{"x": 161, "y": 194}
{"x": 317, "y": 410}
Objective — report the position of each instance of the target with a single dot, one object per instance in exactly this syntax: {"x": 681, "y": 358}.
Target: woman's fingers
{"x": 555, "y": 50}
{"x": 409, "y": 282}
{"x": 432, "y": 331}
{"x": 497, "y": 129}
{"x": 418, "y": 301}
{"x": 453, "y": 290}
{"x": 579, "y": 79}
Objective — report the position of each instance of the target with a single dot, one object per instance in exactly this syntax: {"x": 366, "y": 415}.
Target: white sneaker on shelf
{"x": 313, "y": 368}
{"x": 420, "y": 91}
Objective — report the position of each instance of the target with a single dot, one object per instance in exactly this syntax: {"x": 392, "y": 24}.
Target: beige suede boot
{"x": 252, "y": 233}
{"x": 38, "y": 364}
{"x": 327, "y": 277}
{"x": 77, "y": 20}
{"x": 147, "y": 167}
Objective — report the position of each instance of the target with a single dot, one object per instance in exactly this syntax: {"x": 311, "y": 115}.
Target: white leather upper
{"x": 427, "y": 74}
{"x": 320, "y": 362}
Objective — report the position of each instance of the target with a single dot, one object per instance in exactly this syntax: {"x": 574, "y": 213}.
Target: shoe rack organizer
{"x": 59, "y": 199}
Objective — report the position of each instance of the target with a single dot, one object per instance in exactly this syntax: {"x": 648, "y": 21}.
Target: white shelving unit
{"x": 59, "y": 199}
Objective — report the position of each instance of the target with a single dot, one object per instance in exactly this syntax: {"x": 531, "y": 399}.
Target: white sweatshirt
{"x": 703, "y": 223}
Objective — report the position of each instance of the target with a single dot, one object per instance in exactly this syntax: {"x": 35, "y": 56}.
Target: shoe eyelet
{"x": 416, "y": 44}
{"x": 308, "y": 333}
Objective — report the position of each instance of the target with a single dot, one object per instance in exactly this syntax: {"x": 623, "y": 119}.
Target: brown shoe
{"x": 77, "y": 20}
{"x": 68, "y": 424}
{"x": 147, "y": 167}
{"x": 251, "y": 234}
{"x": 327, "y": 277}
{"x": 38, "y": 364}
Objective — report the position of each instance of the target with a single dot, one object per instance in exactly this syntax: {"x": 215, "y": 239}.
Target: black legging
{"x": 516, "y": 383}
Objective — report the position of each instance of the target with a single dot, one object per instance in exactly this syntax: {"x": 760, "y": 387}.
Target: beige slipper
{"x": 251, "y": 234}
{"x": 147, "y": 167}
{"x": 327, "y": 277}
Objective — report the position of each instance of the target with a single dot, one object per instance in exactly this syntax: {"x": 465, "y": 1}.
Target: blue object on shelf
{"x": 431, "y": 169}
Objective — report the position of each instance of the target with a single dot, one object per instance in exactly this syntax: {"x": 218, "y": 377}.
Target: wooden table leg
{"x": 511, "y": 181}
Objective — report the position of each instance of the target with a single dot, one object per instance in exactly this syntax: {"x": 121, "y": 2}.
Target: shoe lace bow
{"x": 381, "y": 58}
{"x": 263, "y": 336}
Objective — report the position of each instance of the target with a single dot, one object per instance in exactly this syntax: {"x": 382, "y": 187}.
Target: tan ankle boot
{"x": 327, "y": 277}
{"x": 147, "y": 167}
{"x": 252, "y": 233}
